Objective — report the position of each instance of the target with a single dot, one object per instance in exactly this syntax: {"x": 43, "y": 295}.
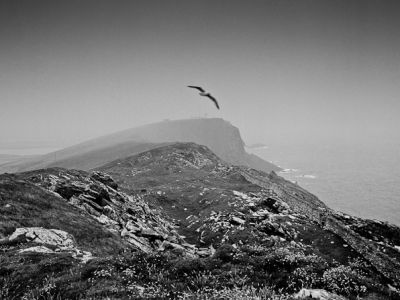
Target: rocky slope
{"x": 216, "y": 203}
{"x": 177, "y": 221}
{"x": 219, "y": 135}
{"x": 97, "y": 196}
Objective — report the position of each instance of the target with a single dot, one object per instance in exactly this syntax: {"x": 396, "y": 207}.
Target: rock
{"x": 169, "y": 245}
{"x": 75, "y": 201}
{"x": 110, "y": 212}
{"x": 91, "y": 210}
{"x": 240, "y": 195}
{"x": 67, "y": 190}
{"x": 99, "y": 194}
{"x": 134, "y": 210}
{"x": 132, "y": 227}
{"x": 44, "y": 236}
{"x": 317, "y": 294}
{"x": 83, "y": 256}
{"x": 91, "y": 201}
{"x": 139, "y": 242}
{"x": 205, "y": 252}
{"x": 271, "y": 228}
{"x": 152, "y": 234}
{"x": 38, "y": 249}
{"x": 273, "y": 204}
{"x": 61, "y": 240}
{"x": 103, "y": 219}
{"x": 105, "y": 179}
{"x": 237, "y": 221}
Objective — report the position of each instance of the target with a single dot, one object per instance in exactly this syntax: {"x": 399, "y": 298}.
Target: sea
{"x": 361, "y": 178}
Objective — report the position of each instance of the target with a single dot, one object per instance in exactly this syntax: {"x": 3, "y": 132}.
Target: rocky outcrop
{"x": 50, "y": 241}
{"x": 295, "y": 197}
{"x": 41, "y": 235}
{"x": 96, "y": 194}
{"x": 303, "y": 202}
{"x": 265, "y": 212}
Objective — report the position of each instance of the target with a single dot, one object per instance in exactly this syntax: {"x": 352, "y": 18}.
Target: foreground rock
{"x": 317, "y": 294}
{"x": 51, "y": 241}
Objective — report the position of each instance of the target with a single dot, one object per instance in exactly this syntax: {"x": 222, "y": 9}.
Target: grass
{"x": 248, "y": 274}
{"x": 25, "y": 205}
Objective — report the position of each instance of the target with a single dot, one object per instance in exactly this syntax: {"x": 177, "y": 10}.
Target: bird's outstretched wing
{"x": 213, "y": 100}
{"x": 197, "y": 87}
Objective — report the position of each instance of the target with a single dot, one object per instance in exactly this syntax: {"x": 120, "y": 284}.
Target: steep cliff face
{"x": 220, "y": 136}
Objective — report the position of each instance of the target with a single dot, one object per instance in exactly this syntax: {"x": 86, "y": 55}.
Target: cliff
{"x": 220, "y": 136}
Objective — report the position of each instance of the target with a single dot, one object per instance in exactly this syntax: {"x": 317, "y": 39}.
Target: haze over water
{"x": 361, "y": 178}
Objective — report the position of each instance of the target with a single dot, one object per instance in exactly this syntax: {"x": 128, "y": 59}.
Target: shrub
{"x": 225, "y": 253}
{"x": 343, "y": 280}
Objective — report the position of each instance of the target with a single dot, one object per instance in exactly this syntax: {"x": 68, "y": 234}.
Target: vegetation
{"x": 25, "y": 205}
{"x": 245, "y": 273}
{"x": 245, "y": 240}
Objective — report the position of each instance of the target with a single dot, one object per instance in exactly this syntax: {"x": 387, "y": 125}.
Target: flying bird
{"x": 205, "y": 94}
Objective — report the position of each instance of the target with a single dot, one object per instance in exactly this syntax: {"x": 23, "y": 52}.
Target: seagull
{"x": 205, "y": 94}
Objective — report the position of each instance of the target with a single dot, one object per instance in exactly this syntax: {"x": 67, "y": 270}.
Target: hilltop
{"x": 178, "y": 221}
{"x": 219, "y": 135}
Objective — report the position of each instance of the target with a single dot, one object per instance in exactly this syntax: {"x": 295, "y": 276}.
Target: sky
{"x": 280, "y": 69}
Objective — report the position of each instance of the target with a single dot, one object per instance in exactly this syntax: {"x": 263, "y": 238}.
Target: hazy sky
{"x": 72, "y": 70}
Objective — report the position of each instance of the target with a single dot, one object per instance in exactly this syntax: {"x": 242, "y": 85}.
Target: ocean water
{"x": 361, "y": 178}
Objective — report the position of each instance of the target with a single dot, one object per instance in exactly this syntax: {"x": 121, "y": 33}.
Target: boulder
{"x": 152, "y": 234}
{"x": 59, "y": 240}
{"x": 237, "y": 221}
{"x": 132, "y": 227}
{"x": 105, "y": 179}
{"x": 37, "y": 249}
{"x": 41, "y": 235}
{"x": 99, "y": 194}
{"x": 110, "y": 212}
{"x": 139, "y": 242}
{"x": 317, "y": 294}
{"x": 67, "y": 190}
